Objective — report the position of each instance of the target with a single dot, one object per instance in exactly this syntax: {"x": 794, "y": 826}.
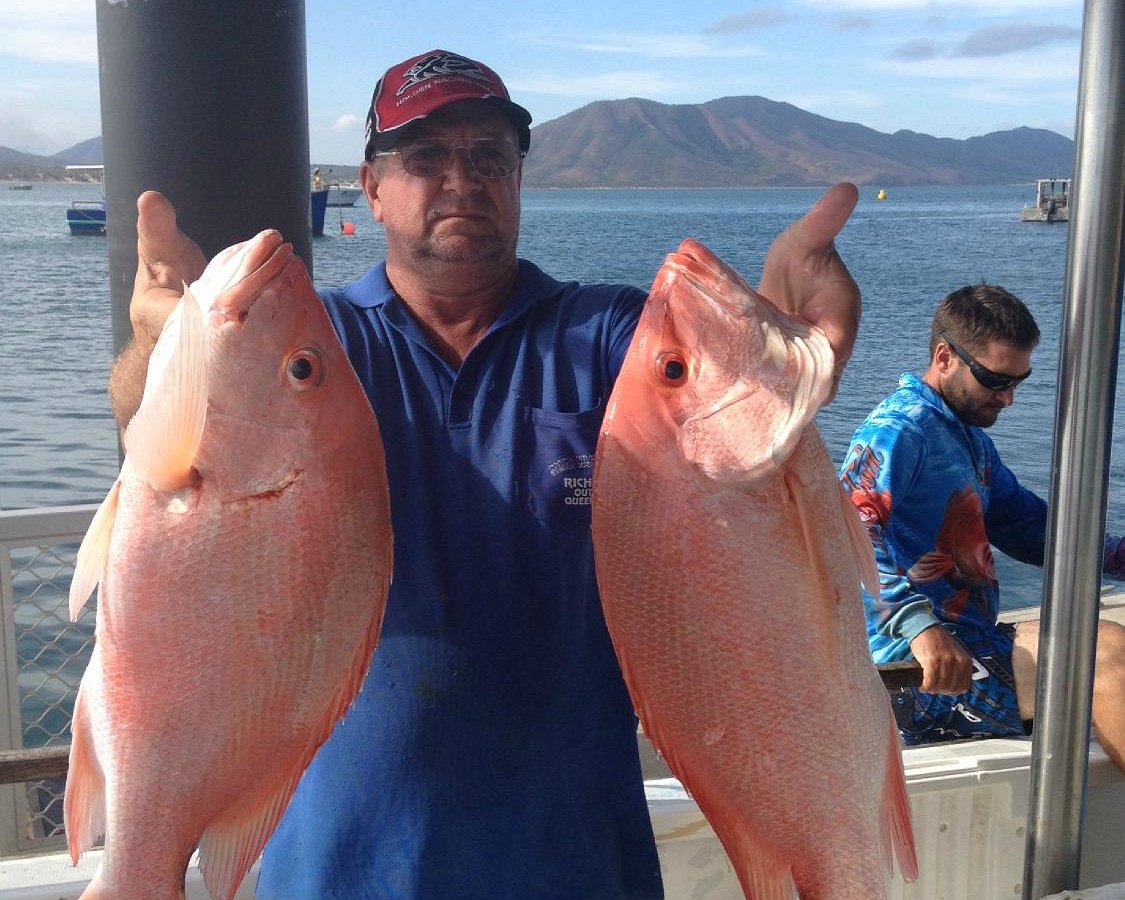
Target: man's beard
{"x": 479, "y": 250}
{"x": 969, "y": 411}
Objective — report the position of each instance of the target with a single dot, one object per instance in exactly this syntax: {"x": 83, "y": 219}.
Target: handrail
{"x": 1080, "y": 461}
{"x": 17, "y": 766}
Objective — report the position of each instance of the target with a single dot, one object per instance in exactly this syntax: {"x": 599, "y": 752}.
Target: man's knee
{"x": 1109, "y": 671}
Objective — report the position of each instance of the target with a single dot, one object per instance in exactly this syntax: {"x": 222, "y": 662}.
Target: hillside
{"x": 730, "y": 142}
{"x": 752, "y": 141}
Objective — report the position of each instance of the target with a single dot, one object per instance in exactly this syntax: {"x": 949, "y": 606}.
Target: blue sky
{"x": 950, "y": 68}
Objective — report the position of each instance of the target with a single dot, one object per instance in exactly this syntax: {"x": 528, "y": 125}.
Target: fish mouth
{"x": 245, "y": 273}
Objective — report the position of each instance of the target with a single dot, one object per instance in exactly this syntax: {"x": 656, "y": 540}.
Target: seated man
{"x": 934, "y": 495}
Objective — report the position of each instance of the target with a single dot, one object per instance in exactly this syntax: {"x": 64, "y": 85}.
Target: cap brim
{"x": 518, "y": 116}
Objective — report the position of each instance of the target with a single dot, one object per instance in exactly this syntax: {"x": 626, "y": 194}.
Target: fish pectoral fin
{"x": 164, "y": 436}
{"x": 84, "y": 802}
{"x": 229, "y": 846}
{"x": 93, "y": 552}
{"x": 827, "y": 599}
{"x": 861, "y": 545}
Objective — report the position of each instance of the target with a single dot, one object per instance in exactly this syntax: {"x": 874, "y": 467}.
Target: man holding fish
{"x": 935, "y": 496}
{"x": 492, "y": 750}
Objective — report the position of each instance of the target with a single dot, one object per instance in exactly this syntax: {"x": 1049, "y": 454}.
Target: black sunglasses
{"x": 989, "y": 380}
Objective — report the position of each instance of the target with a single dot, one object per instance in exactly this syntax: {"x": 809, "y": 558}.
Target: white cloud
{"x": 658, "y": 46}
{"x": 987, "y": 7}
{"x": 50, "y": 30}
{"x": 1056, "y": 64}
{"x": 607, "y": 86}
{"x": 832, "y": 103}
{"x": 347, "y": 122}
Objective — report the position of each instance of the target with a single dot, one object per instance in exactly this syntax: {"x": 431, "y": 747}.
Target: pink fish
{"x": 244, "y": 556}
{"x": 729, "y": 562}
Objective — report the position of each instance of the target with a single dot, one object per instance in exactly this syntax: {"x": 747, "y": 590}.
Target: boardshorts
{"x": 988, "y": 709}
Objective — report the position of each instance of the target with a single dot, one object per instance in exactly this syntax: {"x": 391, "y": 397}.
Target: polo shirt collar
{"x": 373, "y": 290}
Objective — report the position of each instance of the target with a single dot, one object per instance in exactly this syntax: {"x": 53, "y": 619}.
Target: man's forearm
{"x": 127, "y": 383}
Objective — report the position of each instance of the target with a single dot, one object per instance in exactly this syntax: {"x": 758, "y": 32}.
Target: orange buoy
{"x": 347, "y": 227}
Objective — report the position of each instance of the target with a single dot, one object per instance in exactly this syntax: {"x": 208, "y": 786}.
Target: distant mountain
{"x": 730, "y": 142}
{"x": 86, "y": 153}
{"x": 752, "y": 141}
{"x": 18, "y": 166}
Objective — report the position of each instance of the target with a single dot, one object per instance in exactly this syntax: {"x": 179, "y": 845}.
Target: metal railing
{"x": 42, "y": 657}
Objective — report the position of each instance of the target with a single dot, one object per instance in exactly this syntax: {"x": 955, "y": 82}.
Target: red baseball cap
{"x": 411, "y": 90}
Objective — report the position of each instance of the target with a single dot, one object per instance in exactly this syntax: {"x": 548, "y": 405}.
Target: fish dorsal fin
{"x": 164, "y": 436}
{"x": 93, "y": 552}
{"x": 861, "y": 545}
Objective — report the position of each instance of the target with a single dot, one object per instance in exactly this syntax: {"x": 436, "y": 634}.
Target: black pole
{"x": 206, "y": 102}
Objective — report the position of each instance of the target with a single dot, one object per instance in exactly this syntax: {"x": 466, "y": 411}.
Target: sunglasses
{"x": 490, "y": 157}
{"x": 986, "y": 378}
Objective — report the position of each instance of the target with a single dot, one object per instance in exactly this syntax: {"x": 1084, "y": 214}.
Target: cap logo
{"x": 438, "y": 66}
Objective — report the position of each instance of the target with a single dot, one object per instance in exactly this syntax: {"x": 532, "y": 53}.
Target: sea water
{"x": 58, "y": 443}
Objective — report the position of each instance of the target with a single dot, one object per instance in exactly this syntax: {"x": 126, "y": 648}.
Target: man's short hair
{"x": 977, "y": 314}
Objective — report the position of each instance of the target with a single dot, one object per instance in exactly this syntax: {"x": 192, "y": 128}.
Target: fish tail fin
{"x": 164, "y": 436}
{"x": 898, "y": 832}
{"x": 84, "y": 802}
{"x": 229, "y": 846}
{"x": 93, "y": 552}
{"x": 861, "y": 546}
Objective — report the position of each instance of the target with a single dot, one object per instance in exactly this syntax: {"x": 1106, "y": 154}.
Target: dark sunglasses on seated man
{"x": 986, "y": 378}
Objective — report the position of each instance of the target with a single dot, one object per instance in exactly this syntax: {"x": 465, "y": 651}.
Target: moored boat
{"x": 87, "y": 216}
{"x": 1052, "y": 202}
{"x": 20, "y": 186}
{"x": 343, "y": 194}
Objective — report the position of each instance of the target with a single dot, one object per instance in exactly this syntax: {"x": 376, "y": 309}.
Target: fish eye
{"x": 672, "y": 368}
{"x": 305, "y": 369}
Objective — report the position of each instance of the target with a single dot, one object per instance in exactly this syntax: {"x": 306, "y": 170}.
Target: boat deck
{"x": 969, "y": 799}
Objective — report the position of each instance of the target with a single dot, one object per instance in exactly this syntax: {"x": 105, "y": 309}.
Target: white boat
{"x": 1052, "y": 202}
{"x": 344, "y": 194}
{"x": 340, "y": 193}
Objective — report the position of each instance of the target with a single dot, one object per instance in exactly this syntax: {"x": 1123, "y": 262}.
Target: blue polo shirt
{"x": 492, "y": 750}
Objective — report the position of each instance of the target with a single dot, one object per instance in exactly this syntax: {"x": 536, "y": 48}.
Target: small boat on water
{"x": 86, "y": 216}
{"x": 20, "y": 186}
{"x": 340, "y": 193}
{"x": 1052, "y": 202}
{"x": 343, "y": 194}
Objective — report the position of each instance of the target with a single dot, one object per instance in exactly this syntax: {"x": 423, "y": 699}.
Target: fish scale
{"x": 729, "y": 564}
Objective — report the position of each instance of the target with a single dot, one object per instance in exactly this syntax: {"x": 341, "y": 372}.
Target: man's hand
{"x": 804, "y": 275}
{"x": 166, "y": 260}
{"x": 946, "y": 667}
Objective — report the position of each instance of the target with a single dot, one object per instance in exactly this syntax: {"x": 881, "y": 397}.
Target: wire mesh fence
{"x": 43, "y": 655}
